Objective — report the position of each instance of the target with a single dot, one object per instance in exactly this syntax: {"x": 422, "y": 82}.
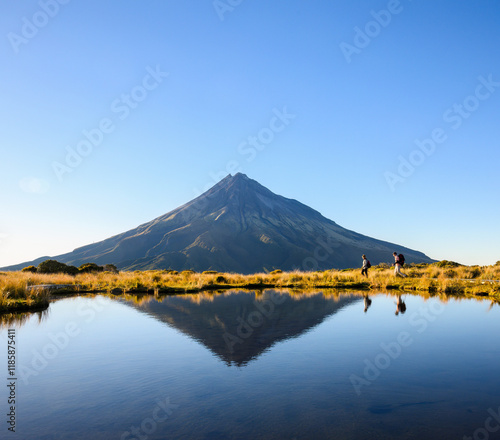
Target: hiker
{"x": 400, "y": 306}
{"x": 365, "y": 267}
{"x": 399, "y": 261}
{"x": 367, "y": 301}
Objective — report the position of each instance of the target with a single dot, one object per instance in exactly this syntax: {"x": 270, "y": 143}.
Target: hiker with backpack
{"x": 399, "y": 261}
{"x": 366, "y": 266}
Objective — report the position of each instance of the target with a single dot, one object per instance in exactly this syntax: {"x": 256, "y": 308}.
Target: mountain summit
{"x": 238, "y": 225}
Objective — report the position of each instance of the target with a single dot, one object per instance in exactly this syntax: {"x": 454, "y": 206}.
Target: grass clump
{"x": 16, "y": 295}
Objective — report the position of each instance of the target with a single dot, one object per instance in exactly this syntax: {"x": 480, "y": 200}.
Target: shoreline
{"x": 23, "y": 291}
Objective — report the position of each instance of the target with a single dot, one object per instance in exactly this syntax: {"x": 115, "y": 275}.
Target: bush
{"x": 171, "y": 272}
{"x": 31, "y": 269}
{"x": 90, "y": 267}
{"x": 220, "y": 279}
{"x": 53, "y": 266}
{"x": 382, "y": 266}
{"x": 110, "y": 268}
{"x": 209, "y": 272}
{"x": 419, "y": 265}
{"x": 447, "y": 264}
{"x": 450, "y": 273}
{"x": 473, "y": 272}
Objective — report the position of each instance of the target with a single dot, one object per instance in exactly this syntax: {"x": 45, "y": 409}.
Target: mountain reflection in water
{"x": 239, "y": 326}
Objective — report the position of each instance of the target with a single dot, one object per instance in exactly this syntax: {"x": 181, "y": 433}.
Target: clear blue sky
{"x": 174, "y": 91}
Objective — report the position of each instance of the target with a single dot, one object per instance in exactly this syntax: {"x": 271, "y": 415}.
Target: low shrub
{"x": 446, "y": 264}
{"x": 110, "y": 268}
{"x": 450, "y": 273}
{"x": 472, "y": 273}
{"x": 90, "y": 267}
{"x": 381, "y": 266}
{"x": 53, "y": 266}
{"x": 31, "y": 269}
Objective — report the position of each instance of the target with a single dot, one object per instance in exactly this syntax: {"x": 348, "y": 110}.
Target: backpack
{"x": 401, "y": 259}
{"x": 368, "y": 265}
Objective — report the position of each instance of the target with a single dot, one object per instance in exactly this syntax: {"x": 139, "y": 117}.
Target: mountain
{"x": 237, "y": 226}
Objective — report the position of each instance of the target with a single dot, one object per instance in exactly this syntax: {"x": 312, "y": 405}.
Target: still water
{"x": 248, "y": 365}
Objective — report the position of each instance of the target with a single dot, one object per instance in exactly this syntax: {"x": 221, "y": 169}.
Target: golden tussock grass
{"x": 17, "y": 287}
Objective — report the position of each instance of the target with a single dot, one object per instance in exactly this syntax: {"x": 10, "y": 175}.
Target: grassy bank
{"x": 19, "y": 291}
{"x": 16, "y": 296}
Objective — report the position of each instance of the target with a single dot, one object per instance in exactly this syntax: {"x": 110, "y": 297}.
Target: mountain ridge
{"x": 238, "y": 225}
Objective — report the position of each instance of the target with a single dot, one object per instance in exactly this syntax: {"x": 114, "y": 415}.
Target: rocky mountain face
{"x": 237, "y": 226}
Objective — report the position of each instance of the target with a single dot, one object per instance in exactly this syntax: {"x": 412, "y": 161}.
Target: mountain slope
{"x": 237, "y": 226}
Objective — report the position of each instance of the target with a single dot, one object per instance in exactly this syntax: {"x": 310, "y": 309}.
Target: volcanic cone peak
{"x": 238, "y": 225}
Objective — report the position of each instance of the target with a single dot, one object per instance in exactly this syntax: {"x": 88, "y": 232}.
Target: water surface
{"x": 244, "y": 365}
